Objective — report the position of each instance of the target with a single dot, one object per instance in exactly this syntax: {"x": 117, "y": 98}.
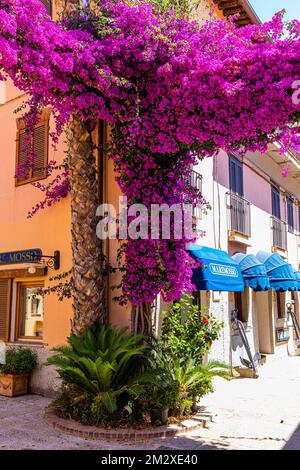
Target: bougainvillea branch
{"x": 172, "y": 90}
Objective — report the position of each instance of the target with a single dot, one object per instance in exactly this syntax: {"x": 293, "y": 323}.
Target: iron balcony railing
{"x": 239, "y": 214}
{"x": 279, "y": 233}
{"x": 195, "y": 181}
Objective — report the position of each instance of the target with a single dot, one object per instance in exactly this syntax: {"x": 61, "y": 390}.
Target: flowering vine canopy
{"x": 173, "y": 90}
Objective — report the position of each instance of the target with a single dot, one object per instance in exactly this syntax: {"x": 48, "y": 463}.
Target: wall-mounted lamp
{"x": 32, "y": 269}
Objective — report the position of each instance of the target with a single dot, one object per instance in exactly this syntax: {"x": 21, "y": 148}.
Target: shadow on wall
{"x": 294, "y": 441}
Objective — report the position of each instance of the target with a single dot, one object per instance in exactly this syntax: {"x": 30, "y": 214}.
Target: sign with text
{"x": 25, "y": 256}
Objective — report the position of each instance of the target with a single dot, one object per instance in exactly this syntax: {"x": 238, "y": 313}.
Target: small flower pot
{"x": 159, "y": 417}
{"x": 13, "y": 385}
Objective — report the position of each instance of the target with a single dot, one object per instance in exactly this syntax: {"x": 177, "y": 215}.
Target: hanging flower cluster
{"x": 172, "y": 90}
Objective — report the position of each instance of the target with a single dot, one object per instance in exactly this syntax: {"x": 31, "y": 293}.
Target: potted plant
{"x": 14, "y": 374}
{"x": 161, "y": 391}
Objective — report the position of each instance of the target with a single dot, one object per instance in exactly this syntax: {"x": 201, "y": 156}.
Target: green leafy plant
{"x": 103, "y": 364}
{"x": 19, "y": 361}
{"x": 161, "y": 391}
{"x": 187, "y": 331}
{"x": 194, "y": 381}
{"x": 176, "y": 383}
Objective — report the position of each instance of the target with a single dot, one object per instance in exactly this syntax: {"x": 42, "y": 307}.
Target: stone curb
{"x": 92, "y": 432}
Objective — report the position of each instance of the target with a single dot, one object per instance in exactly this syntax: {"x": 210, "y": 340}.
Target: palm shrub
{"x": 102, "y": 366}
{"x": 177, "y": 383}
{"x": 195, "y": 380}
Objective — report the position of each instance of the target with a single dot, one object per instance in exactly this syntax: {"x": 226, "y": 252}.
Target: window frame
{"x": 18, "y": 322}
{"x": 21, "y": 130}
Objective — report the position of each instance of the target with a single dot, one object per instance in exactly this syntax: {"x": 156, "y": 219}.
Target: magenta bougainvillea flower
{"x": 173, "y": 91}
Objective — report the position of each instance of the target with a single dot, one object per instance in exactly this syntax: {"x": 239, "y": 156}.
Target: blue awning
{"x": 219, "y": 272}
{"x": 253, "y": 272}
{"x": 281, "y": 274}
{"x": 297, "y": 275}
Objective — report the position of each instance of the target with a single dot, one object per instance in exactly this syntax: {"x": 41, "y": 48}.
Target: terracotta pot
{"x": 13, "y": 385}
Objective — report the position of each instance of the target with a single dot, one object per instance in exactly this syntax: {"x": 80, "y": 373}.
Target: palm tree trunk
{"x": 142, "y": 319}
{"x": 89, "y": 286}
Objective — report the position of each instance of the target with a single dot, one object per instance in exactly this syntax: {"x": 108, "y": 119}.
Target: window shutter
{"x": 236, "y": 176}
{"x": 290, "y": 213}
{"x": 39, "y": 147}
{"x": 5, "y": 285}
{"x": 22, "y": 157}
{"x": 275, "y": 203}
{"x": 48, "y": 5}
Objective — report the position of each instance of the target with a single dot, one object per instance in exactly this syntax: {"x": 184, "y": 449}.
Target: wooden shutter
{"x": 48, "y": 5}
{"x": 22, "y": 157}
{"x": 40, "y": 147}
{"x": 5, "y": 289}
{"x": 275, "y": 202}
{"x": 290, "y": 213}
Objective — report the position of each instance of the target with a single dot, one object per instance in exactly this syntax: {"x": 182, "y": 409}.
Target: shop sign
{"x": 223, "y": 270}
{"x": 24, "y": 256}
{"x": 282, "y": 335}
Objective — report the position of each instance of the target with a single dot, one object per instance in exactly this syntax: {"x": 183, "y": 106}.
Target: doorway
{"x": 263, "y": 303}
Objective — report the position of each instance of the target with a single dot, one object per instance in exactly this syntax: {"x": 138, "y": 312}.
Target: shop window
{"x": 29, "y": 172}
{"x": 5, "y": 295}
{"x": 30, "y": 311}
{"x": 241, "y": 305}
{"x": 48, "y": 5}
{"x": 280, "y": 300}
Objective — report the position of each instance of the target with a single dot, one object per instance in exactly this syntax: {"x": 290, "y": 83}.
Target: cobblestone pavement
{"x": 259, "y": 413}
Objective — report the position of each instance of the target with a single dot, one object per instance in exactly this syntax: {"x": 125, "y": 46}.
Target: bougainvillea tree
{"x": 172, "y": 89}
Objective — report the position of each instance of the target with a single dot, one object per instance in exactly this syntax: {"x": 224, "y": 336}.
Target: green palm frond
{"x": 103, "y": 362}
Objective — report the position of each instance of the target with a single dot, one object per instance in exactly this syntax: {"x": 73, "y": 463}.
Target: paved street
{"x": 248, "y": 414}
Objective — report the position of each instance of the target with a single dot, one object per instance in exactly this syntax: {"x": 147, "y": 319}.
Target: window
{"x": 37, "y": 170}
{"x": 30, "y": 311}
{"x": 5, "y": 295}
{"x": 48, "y": 5}
{"x": 290, "y": 213}
{"x": 275, "y": 202}
{"x": 236, "y": 181}
{"x": 280, "y": 300}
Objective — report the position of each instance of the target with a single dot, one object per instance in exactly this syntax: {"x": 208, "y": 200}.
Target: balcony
{"x": 195, "y": 181}
{"x": 279, "y": 233}
{"x": 239, "y": 214}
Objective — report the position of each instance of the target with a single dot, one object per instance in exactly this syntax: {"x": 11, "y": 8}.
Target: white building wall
{"x": 259, "y": 172}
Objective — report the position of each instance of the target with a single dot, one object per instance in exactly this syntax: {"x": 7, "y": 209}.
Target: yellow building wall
{"x": 49, "y": 229}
